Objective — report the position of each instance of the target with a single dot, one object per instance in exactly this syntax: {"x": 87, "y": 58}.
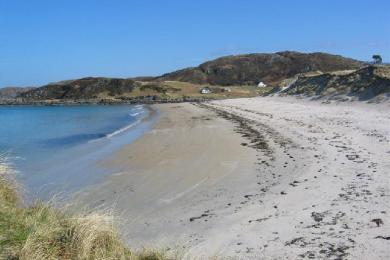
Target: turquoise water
{"x": 56, "y": 149}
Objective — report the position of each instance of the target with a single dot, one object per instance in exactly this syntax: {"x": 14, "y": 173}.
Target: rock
{"x": 318, "y": 217}
{"x": 377, "y": 221}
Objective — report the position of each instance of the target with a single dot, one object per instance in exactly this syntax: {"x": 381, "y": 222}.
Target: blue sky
{"x": 44, "y": 41}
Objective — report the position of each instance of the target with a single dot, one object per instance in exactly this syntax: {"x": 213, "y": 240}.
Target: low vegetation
{"x": 177, "y": 89}
{"x": 368, "y": 83}
{"x": 250, "y": 69}
{"x": 227, "y": 77}
{"x": 42, "y": 232}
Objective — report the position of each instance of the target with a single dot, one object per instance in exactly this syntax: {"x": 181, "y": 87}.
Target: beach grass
{"x": 41, "y": 231}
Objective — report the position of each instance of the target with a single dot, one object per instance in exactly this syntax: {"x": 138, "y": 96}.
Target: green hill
{"x": 250, "y": 69}
{"x": 227, "y": 77}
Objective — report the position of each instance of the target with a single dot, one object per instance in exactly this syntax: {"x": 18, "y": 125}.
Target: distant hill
{"x": 85, "y": 88}
{"x": 250, "y": 69}
{"x": 227, "y": 77}
{"x": 12, "y": 92}
{"x": 363, "y": 84}
{"x": 109, "y": 90}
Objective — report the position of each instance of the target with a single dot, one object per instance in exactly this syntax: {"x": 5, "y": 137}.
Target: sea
{"x": 59, "y": 149}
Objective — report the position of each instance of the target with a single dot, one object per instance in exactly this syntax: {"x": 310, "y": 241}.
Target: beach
{"x": 271, "y": 178}
{"x": 54, "y": 149}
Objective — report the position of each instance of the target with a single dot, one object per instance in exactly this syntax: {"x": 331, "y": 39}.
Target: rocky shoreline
{"x": 120, "y": 101}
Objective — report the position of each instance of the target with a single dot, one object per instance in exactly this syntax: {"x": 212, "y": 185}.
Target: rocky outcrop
{"x": 362, "y": 84}
{"x": 12, "y": 92}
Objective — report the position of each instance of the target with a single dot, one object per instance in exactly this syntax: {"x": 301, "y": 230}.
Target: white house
{"x": 205, "y": 90}
{"x": 261, "y": 84}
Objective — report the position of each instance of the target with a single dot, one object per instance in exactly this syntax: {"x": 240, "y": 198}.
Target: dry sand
{"x": 268, "y": 178}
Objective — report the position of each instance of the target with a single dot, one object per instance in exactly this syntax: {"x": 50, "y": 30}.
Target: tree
{"x": 377, "y": 59}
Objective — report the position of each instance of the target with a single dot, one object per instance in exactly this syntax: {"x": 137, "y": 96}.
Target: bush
{"x": 42, "y": 232}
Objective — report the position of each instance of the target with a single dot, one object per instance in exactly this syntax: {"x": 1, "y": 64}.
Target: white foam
{"x": 135, "y": 114}
{"x": 123, "y": 129}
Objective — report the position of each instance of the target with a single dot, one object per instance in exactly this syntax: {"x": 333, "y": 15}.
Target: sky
{"x": 44, "y": 41}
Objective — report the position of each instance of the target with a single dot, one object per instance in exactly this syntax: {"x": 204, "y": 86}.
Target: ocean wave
{"x": 121, "y": 130}
{"x": 135, "y": 114}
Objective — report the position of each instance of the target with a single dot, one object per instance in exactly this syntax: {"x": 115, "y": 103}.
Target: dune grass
{"x": 41, "y": 231}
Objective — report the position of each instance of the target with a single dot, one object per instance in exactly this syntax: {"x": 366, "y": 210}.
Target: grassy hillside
{"x": 43, "y": 232}
{"x": 240, "y": 73}
{"x": 250, "y": 69}
{"x": 117, "y": 90}
{"x": 178, "y": 89}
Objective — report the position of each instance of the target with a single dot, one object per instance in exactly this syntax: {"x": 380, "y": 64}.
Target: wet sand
{"x": 272, "y": 178}
{"x": 170, "y": 182}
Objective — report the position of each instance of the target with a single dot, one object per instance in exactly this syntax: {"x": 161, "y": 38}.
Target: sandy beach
{"x": 268, "y": 178}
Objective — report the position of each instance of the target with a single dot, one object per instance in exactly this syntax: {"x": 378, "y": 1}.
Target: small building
{"x": 205, "y": 90}
{"x": 261, "y": 84}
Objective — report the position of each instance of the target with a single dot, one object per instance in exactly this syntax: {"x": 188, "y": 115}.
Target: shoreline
{"x": 168, "y": 168}
{"x": 250, "y": 178}
{"x": 74, "y": 168}
{"x": 136, "y": 101}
